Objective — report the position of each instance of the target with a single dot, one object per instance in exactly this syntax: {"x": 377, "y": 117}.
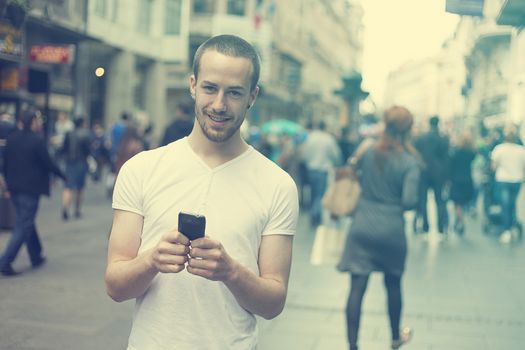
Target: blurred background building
{"x": 99, "y": 58}
{"x": 477, "y": 80}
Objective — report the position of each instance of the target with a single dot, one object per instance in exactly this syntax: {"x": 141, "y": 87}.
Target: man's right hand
{"x": 171, "y": 253}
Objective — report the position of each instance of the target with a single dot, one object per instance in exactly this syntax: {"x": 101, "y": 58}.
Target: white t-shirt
{"x": 510, "y": 162}
{"x": 320, "y": 151}
{"x": 243, "y": 200}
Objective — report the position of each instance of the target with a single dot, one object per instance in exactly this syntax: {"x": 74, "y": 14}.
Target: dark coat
{"x": 434, "y": 149}
{"x": 27, "y": 164}
{"x": 178, "y": 129}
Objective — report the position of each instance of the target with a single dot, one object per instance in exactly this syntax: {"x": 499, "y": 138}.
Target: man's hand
{"x": 171, "y": 253}
{"x": 209, "y": 259}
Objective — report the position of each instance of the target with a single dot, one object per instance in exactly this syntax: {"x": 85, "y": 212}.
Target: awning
{"x": 512, "y": 13}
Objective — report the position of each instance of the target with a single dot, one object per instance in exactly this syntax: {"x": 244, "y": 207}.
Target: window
{"x": 203, "y": 6}
{"x": 236, "y": 7}
{"x": 173, "y": 17}
{"x": 100, "y": 8}
{"x": 114, "y": 14}
{"x": 144, "y": 18}
{"x": 141, "y": 73}
{"x": 290, "y": 71}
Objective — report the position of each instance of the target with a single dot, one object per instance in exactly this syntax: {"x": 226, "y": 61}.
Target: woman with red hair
{"x": 388, "y": 170}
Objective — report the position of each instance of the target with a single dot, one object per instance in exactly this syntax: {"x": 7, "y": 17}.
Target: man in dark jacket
{"x": 434, "y": 149}
{"x": 180, "y": 127}
{"x": 27, "y": 166}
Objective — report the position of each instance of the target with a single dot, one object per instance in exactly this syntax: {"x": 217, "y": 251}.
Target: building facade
{"x": 512, "y": 13}
{"x": 38, "y": 65}
{"x": 473, "y": 83}
{"x": 136, "y": 55}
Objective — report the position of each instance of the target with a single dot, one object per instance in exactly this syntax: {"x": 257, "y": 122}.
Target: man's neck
{"x": 216, "y": 153}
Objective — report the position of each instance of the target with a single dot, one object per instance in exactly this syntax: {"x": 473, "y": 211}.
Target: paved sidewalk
{"x": 460, "y": 294}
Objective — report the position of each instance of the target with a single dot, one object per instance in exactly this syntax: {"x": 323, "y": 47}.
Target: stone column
{"x": 119, "y": 87}
{"x": 156, "y": 96}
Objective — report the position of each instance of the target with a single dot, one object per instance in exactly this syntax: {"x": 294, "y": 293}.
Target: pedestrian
{"x": 461, "y": 183}
{"x": 76, "y": 149}
{"x": 181, "y": 126}
{"x": 389, "y": 173}
{"x": 99, "y": 150}
{"x": 508, "y": 161}
{"x": 321, "y": 155}
{"x": 27, "y": 166}
{"x": 434, "y": 149}
{"x": 204, "y": 294}
{"x": 115, "y": 136}
{"x": 116, "y": 133}
{"x": 62, "y": 126}
{"x": 130, "y": 145}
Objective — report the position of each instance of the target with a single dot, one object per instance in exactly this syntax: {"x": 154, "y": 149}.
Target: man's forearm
{"x": 262, "y": 296}
{"x": 128, "y": 279}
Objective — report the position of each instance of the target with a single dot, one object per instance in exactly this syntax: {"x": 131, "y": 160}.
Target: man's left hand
{"x": 209, "y": 259}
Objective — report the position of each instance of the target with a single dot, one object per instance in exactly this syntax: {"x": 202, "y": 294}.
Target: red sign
{"x": 52, "y": 54}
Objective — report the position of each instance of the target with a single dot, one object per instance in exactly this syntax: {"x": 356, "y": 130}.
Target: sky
{"x": 397, "y": 31}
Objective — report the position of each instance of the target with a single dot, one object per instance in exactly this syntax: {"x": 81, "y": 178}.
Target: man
{"x": 204, "y": 294}
{"x": 508, "y": 161}
{"x": 180, "y": 127}
{"x": 434, "y": 149}
{"x": 76, "y": 149}
{"x": 27, "y": 165}
{"x": 321, "y": 154}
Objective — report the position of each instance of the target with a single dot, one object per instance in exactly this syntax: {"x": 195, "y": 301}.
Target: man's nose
{"x": 219, "y": 103}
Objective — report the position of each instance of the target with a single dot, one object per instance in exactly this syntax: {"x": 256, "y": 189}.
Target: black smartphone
{"x": 191, "y": 225}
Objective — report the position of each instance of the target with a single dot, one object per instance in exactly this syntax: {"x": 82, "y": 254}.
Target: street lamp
{"x": 99, "y": 72}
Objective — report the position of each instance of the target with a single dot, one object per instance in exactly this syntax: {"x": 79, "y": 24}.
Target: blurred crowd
{"x": 470, "y": 171}
{"x": 464, "y": 173}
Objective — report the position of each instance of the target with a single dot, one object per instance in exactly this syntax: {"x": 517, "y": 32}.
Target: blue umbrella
{"x": 281, "y": 126}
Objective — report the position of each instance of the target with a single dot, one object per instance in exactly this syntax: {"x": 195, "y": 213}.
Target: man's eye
{"x": 209, "y": 88}
{"x": 235, "y": 93}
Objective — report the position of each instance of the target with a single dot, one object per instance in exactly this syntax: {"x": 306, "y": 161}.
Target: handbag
{"x": 328, "y": 245}
{"x": 343, "y": 194}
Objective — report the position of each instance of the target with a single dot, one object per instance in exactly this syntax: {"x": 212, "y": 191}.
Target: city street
{"x": 459, "y": 294}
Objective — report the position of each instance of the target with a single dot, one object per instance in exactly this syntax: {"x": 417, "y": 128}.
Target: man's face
{"x": 222, "y": 94}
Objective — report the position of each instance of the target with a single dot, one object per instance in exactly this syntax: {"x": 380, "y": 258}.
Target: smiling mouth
{"x": 217, "y": 118}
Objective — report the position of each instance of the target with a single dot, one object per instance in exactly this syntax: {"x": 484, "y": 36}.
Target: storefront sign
{"x": 10, "y": 40}
{"x": 465, "y": 7}
{"x": 9, "y": 78}
{"x": 52, "y": 54}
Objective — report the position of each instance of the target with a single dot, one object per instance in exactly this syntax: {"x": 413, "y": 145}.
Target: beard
{"x": 218, "y": 134}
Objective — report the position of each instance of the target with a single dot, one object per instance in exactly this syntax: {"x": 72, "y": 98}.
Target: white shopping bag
{"x": 328, "y": 245}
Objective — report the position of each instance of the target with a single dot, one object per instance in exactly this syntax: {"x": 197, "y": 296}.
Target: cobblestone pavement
{"x": 459, "y": 294}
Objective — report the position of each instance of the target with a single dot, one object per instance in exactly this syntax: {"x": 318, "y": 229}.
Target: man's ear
{"x": 193, "y": 84}
{"x": 253, "y": 96}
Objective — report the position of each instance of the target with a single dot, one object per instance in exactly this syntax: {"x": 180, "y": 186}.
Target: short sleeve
{"x": 127, "y": 194}
{"x": 284, "y": 211}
